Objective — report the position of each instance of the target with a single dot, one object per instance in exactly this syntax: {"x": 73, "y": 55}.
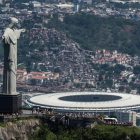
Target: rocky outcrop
{"x": 21, "y": 130}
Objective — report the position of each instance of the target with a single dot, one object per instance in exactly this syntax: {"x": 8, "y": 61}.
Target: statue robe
{"x": 10, "y": 38}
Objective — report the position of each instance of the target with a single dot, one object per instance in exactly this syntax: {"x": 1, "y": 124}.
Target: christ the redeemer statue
{"x": 9, "y": 38}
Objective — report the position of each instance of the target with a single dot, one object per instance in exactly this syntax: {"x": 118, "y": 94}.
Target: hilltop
{"x": 84, "y": 50}
{"x": 39, "y": 129}
{"x": 93, "y": 32}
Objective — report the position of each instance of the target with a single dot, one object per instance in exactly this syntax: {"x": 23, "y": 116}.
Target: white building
{"x": 36, "y": 4}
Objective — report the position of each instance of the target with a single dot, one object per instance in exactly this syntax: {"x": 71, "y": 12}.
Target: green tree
{"x": 136, "y": 70}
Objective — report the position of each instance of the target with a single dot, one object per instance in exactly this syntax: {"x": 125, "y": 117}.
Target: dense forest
{"x": 99, "y": 132}
{"x": 93, "y": 32}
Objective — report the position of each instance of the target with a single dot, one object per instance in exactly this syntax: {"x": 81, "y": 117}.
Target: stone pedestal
{"x": 10, "y": 103}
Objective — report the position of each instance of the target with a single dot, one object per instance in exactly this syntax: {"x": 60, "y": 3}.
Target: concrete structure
{"x": 76, "y": 8}
{"x": 10, "y": 100}
{"x": 87, "y": 102}
{"x": 10, "y": 37}
{"x": 127, "y": 116}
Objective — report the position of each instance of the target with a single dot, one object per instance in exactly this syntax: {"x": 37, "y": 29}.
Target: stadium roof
{"x": 87, "y": 101}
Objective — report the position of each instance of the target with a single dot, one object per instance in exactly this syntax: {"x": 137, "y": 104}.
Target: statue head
{"x": 13, "y": 22}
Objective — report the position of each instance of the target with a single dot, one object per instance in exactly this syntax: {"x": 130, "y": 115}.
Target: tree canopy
{"x": 93, "y": 32}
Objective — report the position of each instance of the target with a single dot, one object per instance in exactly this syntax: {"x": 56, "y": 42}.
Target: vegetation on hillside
{"x": 99, "y": 132}
{"x": 93, "y": 32}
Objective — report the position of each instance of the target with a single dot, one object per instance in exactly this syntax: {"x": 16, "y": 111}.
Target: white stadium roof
{"x": 52, "y": 100}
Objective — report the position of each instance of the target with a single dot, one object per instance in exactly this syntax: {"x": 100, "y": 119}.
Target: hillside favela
{"x": 70, "y": 70}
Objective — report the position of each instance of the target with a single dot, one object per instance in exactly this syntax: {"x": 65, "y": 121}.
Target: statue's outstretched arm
{"x": 18, "y": 32}
{"x": 23, "y": 30}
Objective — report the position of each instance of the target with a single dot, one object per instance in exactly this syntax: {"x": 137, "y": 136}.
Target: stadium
{"x": 86, "y": 101}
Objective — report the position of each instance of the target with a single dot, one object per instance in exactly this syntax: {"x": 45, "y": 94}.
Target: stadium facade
{"x": 87, "y": 102}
